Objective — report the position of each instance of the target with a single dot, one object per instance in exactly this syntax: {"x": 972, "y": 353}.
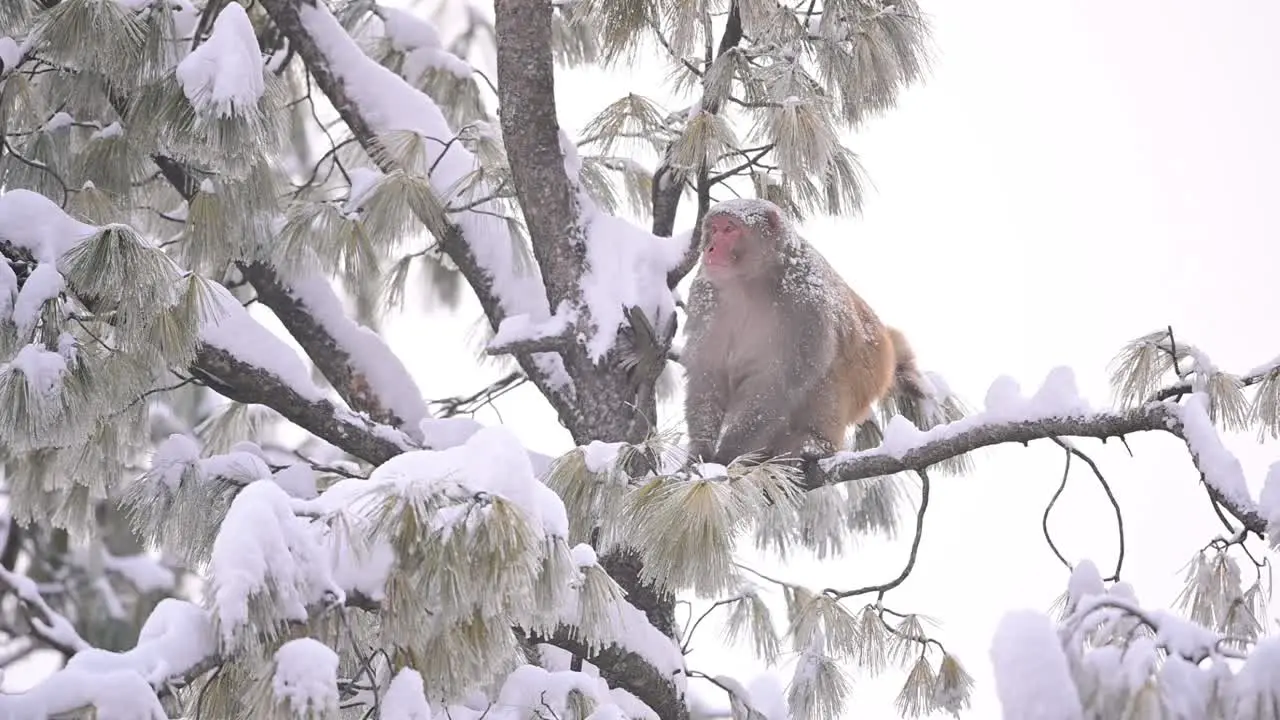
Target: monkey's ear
{"x": 773, "y": 218}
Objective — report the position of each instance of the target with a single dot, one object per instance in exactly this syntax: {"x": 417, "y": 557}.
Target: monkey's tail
{"x": 908, "y": 394}
{"x": 913, "y": 395}
{"x": 923, "y": 400}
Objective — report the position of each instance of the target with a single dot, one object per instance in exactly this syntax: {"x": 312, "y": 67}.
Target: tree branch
{"x": 628, "y": 671}
{"x": 230, "y": 376}
{"x": 330, "y": 357}
{"x": 1175, "y": 392}
{"x": 953, "y": 439}
{"x": 247, "y": 383}
{"x": 590, "y": 406}
{"x": 531, "y": 134}
{"x": 911, "y": 558}
{"x": 343, "y": 371}
{"x": 47, "y": 624}
{"x": 668, "y": 190}
{"x": 458, "y": 233}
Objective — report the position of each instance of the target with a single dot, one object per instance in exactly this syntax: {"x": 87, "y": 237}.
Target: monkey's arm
{"x": 704, "y": 413}
{"x": 705, "y": 388}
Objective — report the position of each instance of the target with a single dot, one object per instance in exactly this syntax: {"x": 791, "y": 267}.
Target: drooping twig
{"x": 1106, "y": 487}
{"x": 1044, "y": 520}
{"x": 911, "y": 559}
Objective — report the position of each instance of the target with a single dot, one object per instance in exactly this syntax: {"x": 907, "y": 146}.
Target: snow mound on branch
{"x": 223, "y": 76}
{"x": 491, "y": 461}
{"x": 306, "y": 677}
{"x": 36, "y": 224}
{"x": 405, "y": 698}
{"x": 420, "y": 42}
{"x": 369, "y": 354}
{"x": 43, "y": 284}
{"x": 1033, "y": 679}
{"x": 176, "y": 637}
{"x": 265, "y": 553}
{"x": 236, "y": 332}
{"x": 42, "y": 369}
{"x": 627, "y": 266}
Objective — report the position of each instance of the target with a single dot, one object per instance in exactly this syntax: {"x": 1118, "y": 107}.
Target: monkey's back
{"x": 862, "y": 370}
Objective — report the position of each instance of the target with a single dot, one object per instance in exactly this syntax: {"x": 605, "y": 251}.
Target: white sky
{"x": 1074, "y": 174}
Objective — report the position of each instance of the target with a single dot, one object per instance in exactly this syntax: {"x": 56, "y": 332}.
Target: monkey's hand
{"x": 811, "y": 453}
{"x": 749, "y": 432}
{"x": 640, "y": 353}
{"x": 699, "y": 451}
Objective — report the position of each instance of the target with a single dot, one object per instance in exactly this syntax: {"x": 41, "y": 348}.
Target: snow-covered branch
{"x": 375, "y": 103}
{"x": 175, "y": 643}
{"x": 625, "y": 268}
{"x": 235, "y": 378}
{"x": 355, "y": 361}
{"x": 908, "y": 449}
{"x": 235, "y": 354}
{"x": 51, "y": 627}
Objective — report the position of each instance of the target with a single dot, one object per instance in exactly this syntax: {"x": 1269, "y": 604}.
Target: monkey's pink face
{"x": 724, "y": 243}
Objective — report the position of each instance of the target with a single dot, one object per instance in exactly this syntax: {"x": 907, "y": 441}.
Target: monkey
{"x": 781, "y": 356}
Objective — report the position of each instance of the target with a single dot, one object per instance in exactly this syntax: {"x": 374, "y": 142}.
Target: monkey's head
{"x": 742, "y": 239}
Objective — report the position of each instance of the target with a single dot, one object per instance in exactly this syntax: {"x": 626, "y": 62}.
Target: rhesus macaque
{"x": 781, "y": 355}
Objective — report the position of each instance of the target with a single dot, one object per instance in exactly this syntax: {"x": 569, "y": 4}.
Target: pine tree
{"x": 203, "y": 521}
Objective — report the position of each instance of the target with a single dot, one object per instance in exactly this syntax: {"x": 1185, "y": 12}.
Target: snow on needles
{"x": 388, "y": 103}
{"x": 405, "y": 698}
{"x": 223, "y": 76}
{"x": 36, "y": 224}
{"x": 265, "y": 554}
{"x": 42, "y": 369}
{"x": 626, "y": 265}
{"x": 43, "y": 284}
{"x": 420, "y": 43}
{"x": 491, "y": 461}
{"x": 306, "y": 678}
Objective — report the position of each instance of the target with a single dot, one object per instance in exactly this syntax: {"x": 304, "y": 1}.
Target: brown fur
{"x": 781, "y": 355}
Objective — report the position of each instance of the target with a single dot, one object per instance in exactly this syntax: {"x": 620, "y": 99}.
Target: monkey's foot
{"x": 813, "y": 450}
{"x": 815, "y": 447}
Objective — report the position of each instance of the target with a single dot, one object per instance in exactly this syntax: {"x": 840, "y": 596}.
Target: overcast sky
{"x": 1075, "y": 173}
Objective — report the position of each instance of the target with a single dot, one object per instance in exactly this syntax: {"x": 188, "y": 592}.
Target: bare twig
{"x": 911, "y": 559}
{"x": 1106, "y": 487}
{"x": 469, "y": 404}
{"x": 1044, "y": 520}
{"x": 688, "y": 636}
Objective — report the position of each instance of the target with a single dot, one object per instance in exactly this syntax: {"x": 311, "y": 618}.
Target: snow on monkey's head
{"x": 743, "y": 238}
